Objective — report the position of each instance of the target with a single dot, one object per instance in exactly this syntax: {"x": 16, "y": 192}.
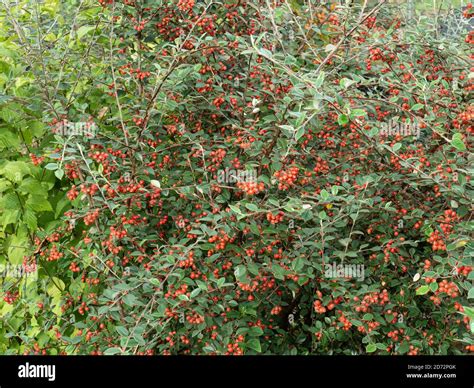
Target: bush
{"x": 290, "y": 178}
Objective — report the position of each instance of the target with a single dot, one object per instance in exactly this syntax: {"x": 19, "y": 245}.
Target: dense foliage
{"x": 234, "y": 153}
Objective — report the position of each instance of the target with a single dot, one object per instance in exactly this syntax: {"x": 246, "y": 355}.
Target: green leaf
{"x": 82, "y": 31}
{"x": 11, "y": 113}
{"x": 324, "y": 195}
{"x": 422, "y": 290}
{"x": 370, "y": 348}
{"x": 235, "y": 209}
{"x": 139, "y": 338}
{"x": 319, "y": 81}
{"x": 59, "y": 174}
{"x": 122, "y": 331}
{"x": 240, "y": 271}
{"x": 32, "y": 186}
{"x": 8, "y": 140}
{"x": 51, "y": 166}
{"x": 299, "y": 134}
{"x": 417, "y": 107}
{"x": 457, "y": 142}
{"x": 17, "y": 249}
{"x": 37, "y": 128}
{"x": 15, "y": 171}
{"x": 4, "y": 185}
{"x": 342, "y": 120}
{"x": 61, "y": 205}
{"x": 10, "y": 216}
{"x": 30, "y": 219}
{"x": 266, "y": 53}
{"x": 251, "y": 207}
{"x": 38, "y": 203}
{"x": 10, "y": 201}
{"x": 255, "y": 331}
{"x": 404, "y": 347}
{"x": 346, "y": 82}
{"x": 254, "y": 344}
{"x": 278, "y": 272}
{"x": 112, "y": 351}
{"x": 358, "y": 113}
{"x": 297, "y": 264}
{"x": 55, "y": 288}
{"x": 155, "y": 183}
{"x": 469, "y": 311}
{"x": 130, "y": 300}
{"x": 470, "y": 294}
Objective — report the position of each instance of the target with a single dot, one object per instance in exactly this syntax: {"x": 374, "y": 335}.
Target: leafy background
{"x": 141, "y": 250}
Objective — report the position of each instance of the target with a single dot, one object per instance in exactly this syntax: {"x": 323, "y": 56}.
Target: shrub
{"x": 279, "y": 178}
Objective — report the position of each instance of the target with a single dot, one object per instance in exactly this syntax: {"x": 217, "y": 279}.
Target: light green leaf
{"x": 342, "y": 120}
{"x": 38, "y": 203}
{"x": 370, "y": 348}
{"x": 422, "y": 290}
{"x": 458, "y": 142}
{"x": 417, "y": 107}
{"x": 82, "y": 31}
{"x": 470, "y": 294}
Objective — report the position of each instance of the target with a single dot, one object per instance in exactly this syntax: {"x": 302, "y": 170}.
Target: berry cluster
{"x": 74, "y": 267}
{"x": 89, "y": 190}
{"x": 251, "y": 188}
{"x": 234, "y": 348}
{"x": 72, "y": 193}
{"x": 91, "y": 217}
{"x": 373, "y": 298}
{"x": 319, "y": 307}
{"x": 221, "y": 240}
{"x": 53, "y": 254}
{"x": 445, "y": 287}
{"x": 185, "y": 5}
{"x": 276, "y": 310}
{"x": 36, "y": 160}
{"x": 195, "y": 318}
{"x": 346, "y": 324}
{"x": 287, "y": 178}
{"x": 11, "y": 297}
{"x": 275, "y": 218}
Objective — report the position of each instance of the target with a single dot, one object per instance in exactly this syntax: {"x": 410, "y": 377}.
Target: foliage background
{"x": 140, "y": 249}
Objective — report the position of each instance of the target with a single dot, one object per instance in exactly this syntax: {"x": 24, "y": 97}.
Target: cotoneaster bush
{"x": 157, "y": 253}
